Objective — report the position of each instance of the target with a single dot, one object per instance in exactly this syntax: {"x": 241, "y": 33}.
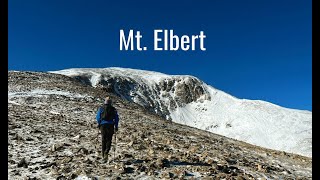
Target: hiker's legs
{"x": 109, "y": 134}
{"x": 103, "y": 129}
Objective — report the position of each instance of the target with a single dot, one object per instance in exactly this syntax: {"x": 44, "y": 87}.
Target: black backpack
{"x": 108, "y": 113}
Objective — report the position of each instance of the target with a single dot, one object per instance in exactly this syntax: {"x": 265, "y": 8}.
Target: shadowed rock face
{"x": 53, "y": 135}
{"x": 165, "y": 95}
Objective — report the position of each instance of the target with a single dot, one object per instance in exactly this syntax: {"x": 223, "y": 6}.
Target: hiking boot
{"x": 104, "y": 160}
{"x": 105, "y": 155}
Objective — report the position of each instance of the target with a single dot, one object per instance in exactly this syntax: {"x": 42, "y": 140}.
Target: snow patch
{"x": 13, "y": 102}
{"x": 53, "y": 112}
{"x": 82, "y": 177}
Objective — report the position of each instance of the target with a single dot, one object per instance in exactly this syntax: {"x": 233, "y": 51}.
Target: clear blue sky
{"x": 256, "y": 49}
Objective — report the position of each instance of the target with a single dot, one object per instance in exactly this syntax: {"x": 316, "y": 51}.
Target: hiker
{"x": 108, "y": 119}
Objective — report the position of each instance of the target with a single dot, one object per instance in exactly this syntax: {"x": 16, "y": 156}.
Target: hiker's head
{"x": 108, "y": 100}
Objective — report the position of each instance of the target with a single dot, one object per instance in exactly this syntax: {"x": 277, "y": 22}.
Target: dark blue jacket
{"x": 114, "y": 121}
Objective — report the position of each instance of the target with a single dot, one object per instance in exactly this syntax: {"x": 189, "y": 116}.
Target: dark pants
{"x": 107, "y": 131}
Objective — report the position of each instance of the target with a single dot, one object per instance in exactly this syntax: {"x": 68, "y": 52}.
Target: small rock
{"x": 53, "y": 148}
{"x": 186, "y": 173}
{"x": 259, "y": 167}
{"x": 84, "y": 151}
{"x": 17, "y": 173}
{"x": 23, "y": 163}
{"x": 142, "y": 168}
{"x": 127, "y": 170}
{"x": 73, "y": 176}
{"x": 168, "y": 142}
{"x": 88, "y": 160}
{"x": 172, "y": 175}
{"x": 130, "y": 143}
{"x": 151, "y": 152}
{"x": 66, "y": 160}
{"x": 31, "y": 178}
{"x": 56, "y": 147}
{"x": 61, "y": 177}
{"x": 17, "y": 137}
{"x": 128, "y": 155}
{"x": 37, "y": 131}
{"x": 29, "y": 139}
{"x": 231, "y": 161}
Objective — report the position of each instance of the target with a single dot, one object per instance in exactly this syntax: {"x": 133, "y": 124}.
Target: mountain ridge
{"x": 187, "y": 100}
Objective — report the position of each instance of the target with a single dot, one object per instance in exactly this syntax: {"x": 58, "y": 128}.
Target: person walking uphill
{"x": 108, "y": 119}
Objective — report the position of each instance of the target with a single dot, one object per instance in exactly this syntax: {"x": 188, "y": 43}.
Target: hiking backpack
{"x": 108, "y": 113}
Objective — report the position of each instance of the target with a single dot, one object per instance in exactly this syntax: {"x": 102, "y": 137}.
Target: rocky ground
{"x": 53, "y": 135}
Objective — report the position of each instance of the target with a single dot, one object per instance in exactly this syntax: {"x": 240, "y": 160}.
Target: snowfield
{"x": 189, "y": 101}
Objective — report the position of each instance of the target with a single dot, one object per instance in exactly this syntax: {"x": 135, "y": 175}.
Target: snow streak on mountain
{"x": 189, "y": 101}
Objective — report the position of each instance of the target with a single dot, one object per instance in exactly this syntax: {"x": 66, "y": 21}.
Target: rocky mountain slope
{"x": 189, "y": 101}
{"x": 53, "y": 135}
